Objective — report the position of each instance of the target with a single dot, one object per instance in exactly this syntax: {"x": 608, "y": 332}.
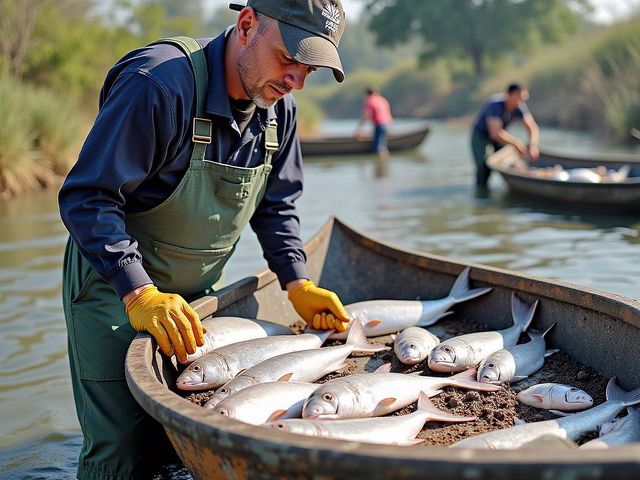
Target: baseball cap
{"x": 310, "y": 29}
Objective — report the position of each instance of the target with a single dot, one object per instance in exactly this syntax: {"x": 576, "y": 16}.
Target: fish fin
{"x": 276, "y": 415}
{"x": 342, "y": 366}
{"x": 384, "y": 368}
{"x": 437, "y": 415}
{"x": 358, "y": 340}
{"x": 427, "y": 322}
{"x": 393, "y": 336}
{"x": 518, "y": 421}
{"x": 537, "y": 333}
{"x": 614, "y": 392}
{"x": 467, "y": 380}
{"x": 385, "y": 402}
{"x": 560, "y": 413}
{"x": 286, "y": 377}
{"x": 550, "y": 352}
{"x": 460, "y": 291}
{"x": 373, "y": 323}
{"x": 241, "y": 371}
{"x": 538, "y": 397}
{"x": 522, "y": 312}
{"x": 517, "y": 378}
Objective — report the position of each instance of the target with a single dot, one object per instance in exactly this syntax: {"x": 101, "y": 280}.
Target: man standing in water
{"x": 193, "y": 141}
{"x": 376, "y": 108}
{"x": 489, "y": 129}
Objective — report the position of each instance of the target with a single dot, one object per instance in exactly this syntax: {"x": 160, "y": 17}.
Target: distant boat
{"x": 348, "y": 145}
{"x": 624, "y": 195}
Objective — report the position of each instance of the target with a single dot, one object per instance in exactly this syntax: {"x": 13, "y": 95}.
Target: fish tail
{"x": 522, "y": 312}
{"x": 467, "y": 380}
{"x": 435, "y": 414}
{"x": 358, "y": 340}
{"x": 460, "y": 290}
{"x": 537, "y": 333}
{"x": 615, "y": 392}
{"x": 427, "y": 322}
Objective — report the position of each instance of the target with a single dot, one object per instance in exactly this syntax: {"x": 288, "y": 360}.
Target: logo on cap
{"x": 332, "y": 14}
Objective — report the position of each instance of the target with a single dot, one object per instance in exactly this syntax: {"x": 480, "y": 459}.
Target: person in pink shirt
{"x": 377, "y": 109}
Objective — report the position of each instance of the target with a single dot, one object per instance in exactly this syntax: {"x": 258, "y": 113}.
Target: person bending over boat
{"x": 170, "y": 174}
{"x": 490, "y": 129}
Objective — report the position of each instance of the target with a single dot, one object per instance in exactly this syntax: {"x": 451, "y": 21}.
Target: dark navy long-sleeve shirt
{"x": 139, "y": 149}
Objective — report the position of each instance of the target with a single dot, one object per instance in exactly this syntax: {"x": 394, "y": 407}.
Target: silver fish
{"x": 618, "y": 432}
{"x": 266, "y": 402}
{"x": 555, "y": 396}
{"x": 379, "y": 393}
{"x": 570, "y": 427}
{"x": 467, "y": 351}
{"x": 219, "y": 366}
{"x": 414, "y": 344}
{"x": 515, "y": 363}
{"x": 223, "y": 331}
{"x": 381, "y": 317}
{"x": 395, "y": 430}
{"x": 302, "y": 366}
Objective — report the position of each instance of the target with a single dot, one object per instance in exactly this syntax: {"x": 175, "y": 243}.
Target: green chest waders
{"x": 185, "y": 242}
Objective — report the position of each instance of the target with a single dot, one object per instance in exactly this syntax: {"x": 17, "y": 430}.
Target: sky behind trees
{"x": 606, "y": 11}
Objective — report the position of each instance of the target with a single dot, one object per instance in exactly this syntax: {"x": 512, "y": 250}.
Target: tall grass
{"x": 39, "y": 137}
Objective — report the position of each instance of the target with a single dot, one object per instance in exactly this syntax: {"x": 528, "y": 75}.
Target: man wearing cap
{"x": 193, "y": 141}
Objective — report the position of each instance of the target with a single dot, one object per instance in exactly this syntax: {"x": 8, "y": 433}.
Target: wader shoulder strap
{"x": 202, "y": 127}
{"x": 271, "y": 143}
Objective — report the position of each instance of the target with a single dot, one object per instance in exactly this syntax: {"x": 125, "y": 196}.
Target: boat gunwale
{"x": 187, "y": 419}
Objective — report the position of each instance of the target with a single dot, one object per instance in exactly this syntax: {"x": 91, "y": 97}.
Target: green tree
{"x": 478, "y": 29}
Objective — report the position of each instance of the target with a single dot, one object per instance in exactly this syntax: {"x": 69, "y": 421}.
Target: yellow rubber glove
{"x": 312, "y": 303}
{"x": 169, "y": 318}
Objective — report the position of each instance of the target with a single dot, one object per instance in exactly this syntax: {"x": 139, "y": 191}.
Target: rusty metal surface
{"x": 599, "y": 329}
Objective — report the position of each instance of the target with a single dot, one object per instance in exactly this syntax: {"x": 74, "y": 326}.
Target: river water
{"x": 426, "y": 203}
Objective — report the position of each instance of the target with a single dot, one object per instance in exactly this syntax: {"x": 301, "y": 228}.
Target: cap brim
{"x": 311, "y": 49}
{"x": 237, "y": 6}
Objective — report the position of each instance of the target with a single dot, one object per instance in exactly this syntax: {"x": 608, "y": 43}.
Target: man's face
{"x": 267, "y": 71}
{"x": 515, "y": 98}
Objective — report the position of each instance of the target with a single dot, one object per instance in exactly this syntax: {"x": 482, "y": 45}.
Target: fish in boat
{"x": 515, "y": 363}
{"x": 555, "y": 397}
{"x": 219, "y": 366}
{"x": 382, "y": 317}
{"x": 392, "y": 430}
{"x": 380, "y": 393}
{"x": 467, "y": 351}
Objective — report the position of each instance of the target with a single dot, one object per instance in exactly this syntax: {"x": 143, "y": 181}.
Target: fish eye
{"x": 280, "y": 426}
{"x": 223, "y": 412}
{"x": 573, "y": 389}
{"x": 327, "y": 397}
{"x": 412, "y": 345}
{"x": 196, "y": 367}
{"x": 491, "y": 365}
{"x": 447, "y": 349}
{"x": 224, "y": 390}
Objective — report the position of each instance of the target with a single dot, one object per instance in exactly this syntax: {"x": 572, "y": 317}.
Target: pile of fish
{"x": 261, "y": 373}
{"x": 583, "y": 175}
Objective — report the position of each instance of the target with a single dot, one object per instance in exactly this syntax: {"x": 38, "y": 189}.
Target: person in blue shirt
{"x": 490, "y": 129}
{"x": 193, "y": 141}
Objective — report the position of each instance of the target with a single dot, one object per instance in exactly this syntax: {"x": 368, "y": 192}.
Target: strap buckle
{"x": 271, "y": 144}
{"x": 202, "y": 130}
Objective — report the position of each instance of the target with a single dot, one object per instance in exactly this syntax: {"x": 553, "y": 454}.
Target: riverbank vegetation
{"x": 54, "y": 55}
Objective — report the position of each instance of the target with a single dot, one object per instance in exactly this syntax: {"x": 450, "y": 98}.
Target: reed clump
{"x": 40, "y": 136}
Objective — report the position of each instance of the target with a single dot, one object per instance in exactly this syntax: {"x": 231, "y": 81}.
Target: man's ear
{"x": 246, "y": 22}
